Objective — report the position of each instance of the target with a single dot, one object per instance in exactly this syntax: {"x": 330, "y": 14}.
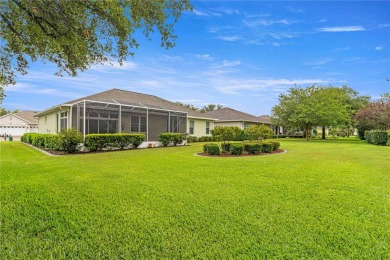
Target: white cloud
{"x": 230, "y": 38}
{"x": 199, "y": 13}
{"x": 264, "y": 22}
{"x": 34, "y": 89}
{"x": 378, "y": 48}
{"x": 110, "y": 66}
{"x": 204, "y": 57}
{"x": 235, "y": 86}
{"x": 318, "y": 62}
{"x": 342, "y": 29}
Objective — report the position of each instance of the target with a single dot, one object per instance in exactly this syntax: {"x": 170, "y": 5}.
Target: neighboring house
{"x": 121, "y": 111}
{"x": 230, "y": 117}
{"x": 16, "y": 124}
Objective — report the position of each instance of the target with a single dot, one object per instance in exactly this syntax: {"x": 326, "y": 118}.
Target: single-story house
{"x": 230, "y": 117}
{"x": 121, "y": 111}
{"x": 16, "y": 124}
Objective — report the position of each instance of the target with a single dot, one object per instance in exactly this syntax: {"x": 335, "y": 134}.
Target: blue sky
{"x": 241, "y": 54}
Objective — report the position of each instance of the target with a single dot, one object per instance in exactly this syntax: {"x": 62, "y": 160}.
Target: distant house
{"x": 121, "y": 111}
{"x": 230, "y": 117}
{"x": 16, "y": 124}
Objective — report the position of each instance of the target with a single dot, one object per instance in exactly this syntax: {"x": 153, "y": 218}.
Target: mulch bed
{"x": 242, "y": 155}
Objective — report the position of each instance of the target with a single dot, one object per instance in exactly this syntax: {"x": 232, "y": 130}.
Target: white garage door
{"x": 13, "y": 130}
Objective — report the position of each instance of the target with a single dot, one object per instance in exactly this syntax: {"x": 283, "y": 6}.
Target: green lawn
{"x": 321, "y": 199}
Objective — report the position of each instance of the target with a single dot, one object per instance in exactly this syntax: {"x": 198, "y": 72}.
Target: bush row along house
{"x": 121, "y": 111}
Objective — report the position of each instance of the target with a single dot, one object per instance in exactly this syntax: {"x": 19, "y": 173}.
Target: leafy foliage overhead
{"x": 77, "y": 34}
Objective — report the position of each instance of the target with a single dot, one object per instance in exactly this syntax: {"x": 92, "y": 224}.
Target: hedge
{"x": 192, "y": 139}
{"x": 211, "y": 149}
{"x": 167, "y": 138}
{"x": 205, "y": 139}
{"x": 276, "y": 145}
{"x": 66, "y": 141}
{"x": 376, "y": 137}
{"x": 96, "y": 142}
{"x": 253, "y": 147}
{"x": 268, "y": 147}
{"x": 236, "y": 148}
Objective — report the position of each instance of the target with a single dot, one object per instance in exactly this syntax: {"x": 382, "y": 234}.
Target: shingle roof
{"x": 138, "y": 99}
{"x": 265, "y": 119}
{"x": 28, "y": 116}
{"x": 229, "y": 114}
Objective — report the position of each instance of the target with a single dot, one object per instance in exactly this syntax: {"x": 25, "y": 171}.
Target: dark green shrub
{"x": 240, "y": 136}
{"x": 236, "y": 148}
{"x": 253, "y": 147}
{"x": 225, "y": 147}
{"x": 376, "y": 137}
{"x": 38, "y": 140}
{"x": 27, "y": 137}
{"x": 388, "y": 138}
{"x": 192, "y": 139}
{"x": 96, "y": 142}
{"x": 211, "y": 149}
{"x": 276, "y": 144}
{"x": 167, "y": 138}
{"x": 53, "y": 142}
{"x": 205, "y": 139}
{"x": 70, "y": 138}
{"x": 268, "y": 147}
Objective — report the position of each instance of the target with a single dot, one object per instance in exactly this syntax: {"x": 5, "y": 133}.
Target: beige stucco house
{"x": 16, "y": 124}
{"x": 121, "y": 111}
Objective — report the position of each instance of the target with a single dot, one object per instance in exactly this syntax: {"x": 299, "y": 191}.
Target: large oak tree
{"x": 79, "y": 33}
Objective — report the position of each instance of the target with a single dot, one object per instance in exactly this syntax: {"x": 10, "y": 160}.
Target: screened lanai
{"x": 98, "y": 117}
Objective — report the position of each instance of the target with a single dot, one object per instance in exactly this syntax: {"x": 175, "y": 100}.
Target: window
{"x": 143, "y": 124}
{"x": 207, "y": 128}
{"x": 45, "y": 119}
{"x": 246, "y": 125}
{"x": 192, "y": 125}
{"x": 138, "y": 124}
{"x": 64, "y": 120}
{"x": 134, "y": 124}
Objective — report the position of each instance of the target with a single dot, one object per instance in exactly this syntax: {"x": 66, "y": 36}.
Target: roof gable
{"x": 27, "y": 116}
{"x": 229, "y": 114}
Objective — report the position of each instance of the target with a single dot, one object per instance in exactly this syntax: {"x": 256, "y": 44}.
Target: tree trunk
{"x": 307, "y": 134}
{"x": 323, "y": 132}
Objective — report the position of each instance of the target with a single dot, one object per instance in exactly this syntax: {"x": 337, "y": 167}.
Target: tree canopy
{"x": 314, "y": 106}
{"x": 376, "y": 115}
{"x": 77, "y": 34}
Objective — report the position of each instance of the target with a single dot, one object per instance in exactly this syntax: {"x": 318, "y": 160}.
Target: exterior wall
{"x": 199, "y": 127}
{"x": 233, "y": 123}
{"x": 49, "y": 123}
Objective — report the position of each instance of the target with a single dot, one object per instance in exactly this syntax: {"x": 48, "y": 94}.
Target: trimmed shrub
{"x": 211, "y": 149}
{"x": 70, "y": 138}
{"x": 388, "y": 138}
{"x": 53, "y": 142}
{"x": 38, "y": 140}
{"x": 225, "y": 147}
{"x": 236, "y": 148}
{"x": 192, "y": 139}
{"x": 167, "y": 138}
{"x": 276, "y": 145}
{"x": 27, "y": 137}
{"x": 96, "y": 142}
{"x": 205, "y": 139}
{"x": 253, "y": 147}
{"x": 376, "y": 137}
{"x": 268, "y": 147}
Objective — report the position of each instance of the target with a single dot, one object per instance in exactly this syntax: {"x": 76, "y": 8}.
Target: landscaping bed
{"x": 241, "y": 155}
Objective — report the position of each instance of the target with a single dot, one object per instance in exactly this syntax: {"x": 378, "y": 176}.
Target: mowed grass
{"x": 321, "y": 199}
